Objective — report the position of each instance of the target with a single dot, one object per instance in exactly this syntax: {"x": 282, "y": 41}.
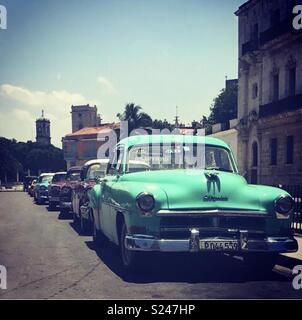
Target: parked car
{"x": 54, "y": 189}
{"x": 80, "y": 196}
{"x": 41, "y": 188}
{"x": 31, "y": 187}
{"x": 27, "y": 181}
{"x": 73, "y": 177}
{"x": 177, "y": 207}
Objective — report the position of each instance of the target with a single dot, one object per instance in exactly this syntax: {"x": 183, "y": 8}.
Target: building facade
{"x": 269, "y": 93}
{"x": 43, "y": 130}
{"x": 84, "y": 116}
{"x": 84, "y": 144}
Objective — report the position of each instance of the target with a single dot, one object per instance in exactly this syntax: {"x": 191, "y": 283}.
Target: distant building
{"x": 228, "y": 133}
{"x": 43, "y": 130}
{"x": 270, "y": 93}
{"x": 84, "y": 116}
{"x": 84, "y": 144}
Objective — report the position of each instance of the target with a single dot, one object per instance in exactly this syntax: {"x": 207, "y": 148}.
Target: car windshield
{"x": 45, "y": 179}
{"x": 59, "y": 177}
{"x": 73, "y": 176}
{"x": 178, "y": 156}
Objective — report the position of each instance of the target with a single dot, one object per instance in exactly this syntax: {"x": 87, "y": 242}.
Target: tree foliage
{"x": 135, "y": 117}
{"x": 223, "y": 109}
{"x": 21, "y": 156}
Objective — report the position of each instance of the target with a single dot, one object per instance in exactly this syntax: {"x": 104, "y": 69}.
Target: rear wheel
{"x": 75, "y": 219}
{"x": 261, "y": 262}
{"x": 85, "y": 225}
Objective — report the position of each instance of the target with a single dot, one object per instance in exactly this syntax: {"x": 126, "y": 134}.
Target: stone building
{"x": 84, "y": 144}
{"x": 43, "y": 130}
{"x": 270, "y": 93}
{"x": 84, "y": 116}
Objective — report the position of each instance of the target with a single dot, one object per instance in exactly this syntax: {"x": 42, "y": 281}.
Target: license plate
{"x": 219, "y": 245}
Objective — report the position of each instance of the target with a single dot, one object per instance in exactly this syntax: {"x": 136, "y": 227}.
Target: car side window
{"x": 116, "y": 162}
{"x": 93, "y": 171}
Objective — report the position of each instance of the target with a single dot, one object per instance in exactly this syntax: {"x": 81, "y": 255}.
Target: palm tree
{"x": 136, "y": 119}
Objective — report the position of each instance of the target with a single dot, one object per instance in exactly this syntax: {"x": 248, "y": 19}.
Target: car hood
{"x": 201, "y": 189}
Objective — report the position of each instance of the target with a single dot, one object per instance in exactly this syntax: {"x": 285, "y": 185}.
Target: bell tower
{"x": 43, "y": 130}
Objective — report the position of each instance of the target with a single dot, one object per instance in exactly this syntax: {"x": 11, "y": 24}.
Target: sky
{"x": 158, "y": 54}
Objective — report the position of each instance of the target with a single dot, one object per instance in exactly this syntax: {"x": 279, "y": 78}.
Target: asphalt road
{"x": 47, "y": 259}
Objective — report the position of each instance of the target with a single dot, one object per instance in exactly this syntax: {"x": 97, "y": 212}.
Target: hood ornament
{"x": 211, "y": 175}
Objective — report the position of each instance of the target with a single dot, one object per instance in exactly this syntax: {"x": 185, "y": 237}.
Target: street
{"x": 47, "y": 259}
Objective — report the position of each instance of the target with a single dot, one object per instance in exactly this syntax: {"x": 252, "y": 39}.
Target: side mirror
{"x": 99, "y": 179}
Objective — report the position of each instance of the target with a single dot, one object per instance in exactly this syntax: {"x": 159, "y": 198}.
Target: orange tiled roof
{"x": 93, "y": 131}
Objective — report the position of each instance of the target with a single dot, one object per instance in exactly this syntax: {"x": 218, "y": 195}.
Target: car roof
{"x": 75, "y": 168}
{"x": 100, "y": 161}
{"x": 60, "y": 173}
{"x": 169, "y": 138}
{"x": 46, "y": 174}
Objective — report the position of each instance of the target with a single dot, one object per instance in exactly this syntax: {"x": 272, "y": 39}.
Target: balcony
{"x": 268, "y": 35}
{"x": 250, "y": 46}
{"x": 276, "y": 31}
{"x": 284, "y": 105}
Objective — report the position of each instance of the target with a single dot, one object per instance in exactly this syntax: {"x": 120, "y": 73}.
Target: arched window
{"x": 255, "y": 154}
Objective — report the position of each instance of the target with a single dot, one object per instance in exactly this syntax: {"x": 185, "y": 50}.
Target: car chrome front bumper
{"x": 138, "y": 242}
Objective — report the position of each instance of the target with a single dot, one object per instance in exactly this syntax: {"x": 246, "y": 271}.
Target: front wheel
{"x": 261, "y": 262}
{"x": 130, "y": 259}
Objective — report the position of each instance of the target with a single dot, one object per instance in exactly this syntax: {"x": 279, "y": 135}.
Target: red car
{"x": 54, "y": 190}
{"x": 91, "y": 170}
{"x": 73, "y": 177}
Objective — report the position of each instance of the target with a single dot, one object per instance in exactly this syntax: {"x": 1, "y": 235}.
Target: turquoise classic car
{"x": 151, "y": 200}
{"x": 41, "y": 188}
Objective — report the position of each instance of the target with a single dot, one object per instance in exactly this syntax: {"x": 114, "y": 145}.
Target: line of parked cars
{"x": 172, "y": 193}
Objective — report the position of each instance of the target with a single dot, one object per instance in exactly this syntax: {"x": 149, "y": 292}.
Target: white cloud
{"x": 54, "y": 98}
{"x": 19, "y": 122}
{"x": 107, "y": 85}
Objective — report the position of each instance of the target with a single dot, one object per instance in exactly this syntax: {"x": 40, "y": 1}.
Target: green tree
{"x": 159, "y": 124}
{"x": 135, "y": 117}
{"x": 224, "y": 107}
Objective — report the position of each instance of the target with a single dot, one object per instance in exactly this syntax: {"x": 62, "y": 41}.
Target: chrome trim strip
{"x": 230, "y": 213}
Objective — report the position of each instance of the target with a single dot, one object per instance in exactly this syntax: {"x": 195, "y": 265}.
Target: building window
{"x": 255, "y": 154}
{"x": 276, "y": 87}
{"x": 255, "y": 91}
{"x": 289, "y": 149}
{"x": 275, "y": 18}
{"x": 273, "y": 147}
{"x": 292, "y": 81}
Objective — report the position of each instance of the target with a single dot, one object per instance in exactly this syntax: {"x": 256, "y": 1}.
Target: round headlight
{"x": 145, "y": 202}
{"x": 284, "y": 204}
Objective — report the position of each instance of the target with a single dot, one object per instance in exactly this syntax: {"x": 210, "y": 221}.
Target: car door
{"x": 89, "y": 182}
{"x": 108, "y": 211}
